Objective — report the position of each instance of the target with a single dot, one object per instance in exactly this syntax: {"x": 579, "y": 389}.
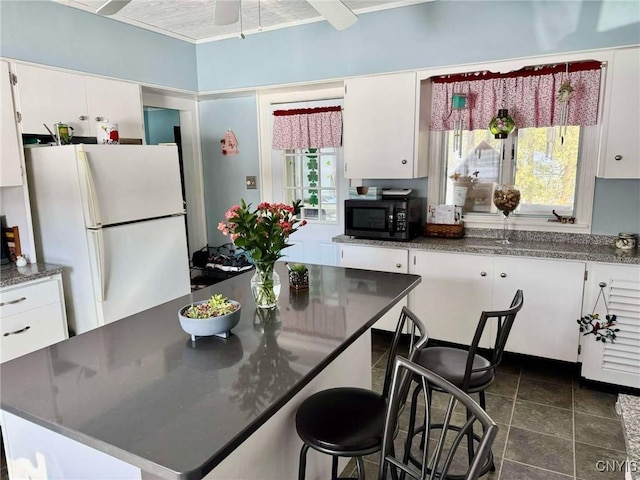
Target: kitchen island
{"x": 137, "y": 399}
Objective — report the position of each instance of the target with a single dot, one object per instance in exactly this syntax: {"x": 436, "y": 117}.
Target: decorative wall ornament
{"x": 602, "y": 329}
{"x": 229, "y": 144}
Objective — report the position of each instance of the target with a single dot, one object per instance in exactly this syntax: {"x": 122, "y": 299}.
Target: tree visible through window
{"x": 535, "y": 160}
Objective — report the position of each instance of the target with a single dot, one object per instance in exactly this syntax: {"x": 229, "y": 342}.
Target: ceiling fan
{"x": 227, "y": 12}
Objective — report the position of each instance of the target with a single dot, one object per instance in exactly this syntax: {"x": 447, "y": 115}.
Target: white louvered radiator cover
{"x": 623, "y": 355}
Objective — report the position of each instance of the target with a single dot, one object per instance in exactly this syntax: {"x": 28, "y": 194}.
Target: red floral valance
{"x": 529, "y": 94}
{"x": 307, "y": 128}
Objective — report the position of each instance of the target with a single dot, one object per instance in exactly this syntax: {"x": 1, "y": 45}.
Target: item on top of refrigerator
{"x": 107, "y": 133}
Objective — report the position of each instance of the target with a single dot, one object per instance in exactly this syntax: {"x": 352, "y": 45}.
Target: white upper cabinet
{"x": 117, "y": 102}
{"x": 49, "y": 96}
{"x": 10, "y": 160}
{"x": 620, "y": 154}
{"x": 379, "y": 135}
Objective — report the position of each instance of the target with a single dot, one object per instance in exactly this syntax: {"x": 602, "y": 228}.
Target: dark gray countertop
{"x": 630, "y": 412}
{"x": 12, "y": 275}
{"x": 586, "y": 252}
{"x": 139, "y": 390}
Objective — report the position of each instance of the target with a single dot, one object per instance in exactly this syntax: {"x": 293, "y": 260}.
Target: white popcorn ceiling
{"x": 192, "y": 20}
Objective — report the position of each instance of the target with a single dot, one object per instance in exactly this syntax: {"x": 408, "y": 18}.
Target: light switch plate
{"x": 251, "y": 182}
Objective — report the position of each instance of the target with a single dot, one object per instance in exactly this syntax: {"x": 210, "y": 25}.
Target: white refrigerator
{"x": 114, "y": 216}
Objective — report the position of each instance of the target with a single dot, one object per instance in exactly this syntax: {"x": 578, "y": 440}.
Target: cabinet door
{"x": 384, "y": 260}
{"x": 116, "y": 102}
{"x": 49, "y": 96}
{"x": 10, "y": 171}
{"x": 379, "y": 126}
{"x": 546, "y": 326}
{"x": 455, "y": 289}
{"x": 619, "y": 362}
{"x": 622, "y": 142}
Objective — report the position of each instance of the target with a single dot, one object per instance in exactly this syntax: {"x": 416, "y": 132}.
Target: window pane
{"x": 546, "y": 169}
{"x": 310, "y": 175}
{"x": 476, "y": 163}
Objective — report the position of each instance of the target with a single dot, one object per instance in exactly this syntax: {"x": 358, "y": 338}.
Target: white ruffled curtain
{"x": 307, "y": 128}
{"x": 530, "y": 99}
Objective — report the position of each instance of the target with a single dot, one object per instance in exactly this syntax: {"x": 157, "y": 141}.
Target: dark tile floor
{"x": 550, "y": 427}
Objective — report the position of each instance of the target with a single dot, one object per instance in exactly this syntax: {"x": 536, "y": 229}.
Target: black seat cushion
{"x": 450, "y": 364}
{"x": 342, "y": 420}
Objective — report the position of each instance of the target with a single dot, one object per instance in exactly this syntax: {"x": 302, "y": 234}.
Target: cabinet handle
{"x": 83, "y": 117}
{"x": 398, "y": 265}
{"x": 483, "y": 274}
{"x": 99, "y": 119}
{"x": 22, "y": 330}
{"x": 12, "y": 302}
{"x": 617, "y": 158}
{"x": 404, "y": 162}
{"x": 503, "y": 275}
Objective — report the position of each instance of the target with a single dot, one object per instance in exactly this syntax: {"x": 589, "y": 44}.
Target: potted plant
{"x": 216, "y": 316}
{"x": 298, "y": 276}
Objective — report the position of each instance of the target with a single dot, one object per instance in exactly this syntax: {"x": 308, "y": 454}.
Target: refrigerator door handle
{"x": 95, "y": 219}
{"x": 98, "y": 267}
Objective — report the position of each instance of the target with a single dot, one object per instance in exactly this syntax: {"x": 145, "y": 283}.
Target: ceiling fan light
{"x": 112, "y": 6}
{"x": 226, "y": 12}
{"x": 336, "y": 13}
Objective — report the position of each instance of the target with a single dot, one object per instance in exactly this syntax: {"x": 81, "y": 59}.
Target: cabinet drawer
{"x": 45, "y": 327}
{"x": 21, "y": 299}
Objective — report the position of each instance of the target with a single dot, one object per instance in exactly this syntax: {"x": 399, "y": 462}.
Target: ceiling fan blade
{"x": 112, "y": 6}
{"x": 336, "y": 13}
{"x": 226, "y": 12}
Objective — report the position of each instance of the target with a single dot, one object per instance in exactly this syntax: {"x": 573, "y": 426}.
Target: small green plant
{"x": 298, "y": 267}
{"x": 215, "y": 307}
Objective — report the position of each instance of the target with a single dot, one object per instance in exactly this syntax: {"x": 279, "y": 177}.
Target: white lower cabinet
{"x": 32, "y": 316}
{"x": 618, "y": 362}
{"x": 457, "y": 287}
{"x": 382, "y": 259}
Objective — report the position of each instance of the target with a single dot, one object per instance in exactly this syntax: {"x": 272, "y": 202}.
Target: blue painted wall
{"x": 420, "y": 36}
{"x": 224, "y": 176}
{"x": 52, "y": 34}
{"x": 158, "y": 125}
{"x": 414, "y": 37}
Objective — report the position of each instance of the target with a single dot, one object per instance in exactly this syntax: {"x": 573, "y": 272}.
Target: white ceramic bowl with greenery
{"x": 216, "y": 316}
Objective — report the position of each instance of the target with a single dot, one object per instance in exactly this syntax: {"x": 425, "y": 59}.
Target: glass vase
{"x": 265, "y": 286}
{"x": 506, "y": 198}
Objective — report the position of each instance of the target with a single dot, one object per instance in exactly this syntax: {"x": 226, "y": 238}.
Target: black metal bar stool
{"x": 349, "y": 422}
{"x": 467, "y": 370}
{"x": 436, "y": 462}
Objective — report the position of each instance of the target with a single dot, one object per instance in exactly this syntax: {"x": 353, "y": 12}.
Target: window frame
{"x": 588, "y": 163}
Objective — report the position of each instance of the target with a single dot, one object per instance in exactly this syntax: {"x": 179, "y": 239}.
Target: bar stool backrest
{"x": 436, "y": 461}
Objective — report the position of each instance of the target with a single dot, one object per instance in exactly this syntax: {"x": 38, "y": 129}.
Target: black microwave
{"x": 397, "y": 219}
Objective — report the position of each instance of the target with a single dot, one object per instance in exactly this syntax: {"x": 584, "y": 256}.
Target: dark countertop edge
{"x": 525, "y": 250}
{"x": 224, "y": 452}
{"x": 47, "y": 270}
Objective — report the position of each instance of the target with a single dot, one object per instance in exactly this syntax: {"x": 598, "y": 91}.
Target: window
{"x": 310, "y": 176}
{"x": 541, "y": 163}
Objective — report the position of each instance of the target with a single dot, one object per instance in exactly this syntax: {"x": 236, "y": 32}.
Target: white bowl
{"x": 204, "y": 327}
